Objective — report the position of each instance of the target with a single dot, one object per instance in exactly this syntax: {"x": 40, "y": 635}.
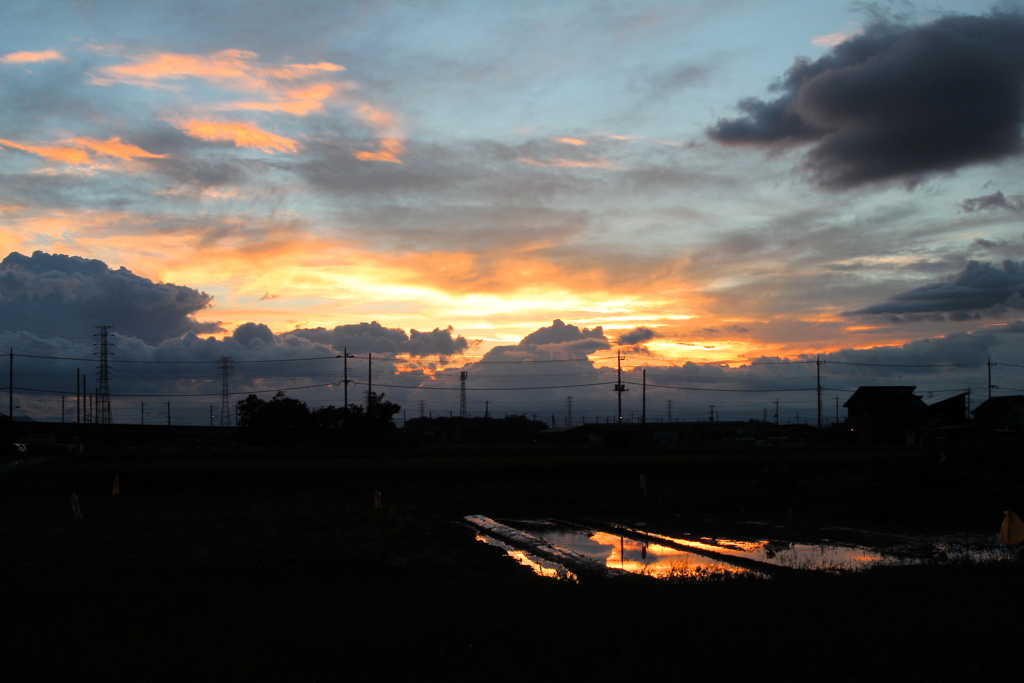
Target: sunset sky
{"x": 703, "y": 181}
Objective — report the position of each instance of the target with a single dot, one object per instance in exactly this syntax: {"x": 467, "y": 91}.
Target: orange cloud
{"x": 569, "y": 163}
{"x": 295, "y": 71}
{"x": 296, "y": 101}
{"x": 389, "y": 148}
{"x": 114, "y": 148}
{"x": 388, "y": 126}
{"x": 242, "y": 134}
{"x": 240, "y": 67}
{"x": 379, "y": 119}
{"x": 64, "y": 155}
{"x": 31, "y": 57}
{"x": 571, "y": 141}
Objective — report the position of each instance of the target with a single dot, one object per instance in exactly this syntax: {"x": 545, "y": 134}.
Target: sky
{"x": 722, "y": 192}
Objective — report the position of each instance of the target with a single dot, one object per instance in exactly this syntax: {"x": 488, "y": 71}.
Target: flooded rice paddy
{"x": 557, "y": 548}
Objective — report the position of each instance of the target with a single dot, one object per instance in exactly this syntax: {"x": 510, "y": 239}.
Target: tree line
{"x": 283, "y": 420}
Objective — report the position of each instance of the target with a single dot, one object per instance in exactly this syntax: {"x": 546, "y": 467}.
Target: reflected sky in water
{"x": 634, "y": 556}
{"x": 670, "y": 557}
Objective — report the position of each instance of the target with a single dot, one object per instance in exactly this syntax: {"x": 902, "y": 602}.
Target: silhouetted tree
{"x": 280, "y": 420}
{"x": 377, "y": 416}
{"x": 284, "y": 420}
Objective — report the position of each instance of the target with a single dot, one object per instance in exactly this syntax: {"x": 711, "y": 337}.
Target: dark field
{"x": 228, "y": 565}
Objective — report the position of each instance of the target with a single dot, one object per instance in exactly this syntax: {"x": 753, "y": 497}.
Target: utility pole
{"x": 142, "y": 413}
{"x": 568, "y": 406}
{"x": 776, "y": 402}
{"x": 78, "y": 396}
{"x": 968, "y": 415}
{"x": 369, "y": 380}
{"x": 712, "y": 418}
{"x": 87, "y": 412}
{"x": 225, "y": 393}
{"x": 817, "y": 367}
{"x": 619, "y": 386}
{"x": 990, "y": 377}
{"x": 669, "y": 402}
{"x": 103, "y": 413}
{"x": 346, "y": 356}
{"x": 837, "y": 409}
{"x": 168, "y": 413}
{"x": 462, "y": 395}
{"x": 643, "y": 403}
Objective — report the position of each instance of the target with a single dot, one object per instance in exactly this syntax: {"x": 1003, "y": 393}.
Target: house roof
{"x": 879, "y": 395}
{"x": 997, "y": 404}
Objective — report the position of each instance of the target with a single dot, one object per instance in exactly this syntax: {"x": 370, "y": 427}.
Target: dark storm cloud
{"x": 952, "y": 349}
{"x": 978, "y": 287}
{"x": 898, "y": 102}
{"x": 558, "y": 342}
{"x": 992, "y": 202}
{"x": 375, "y": 338}
{"x": 72, "y": 295}
{"x": 636, "y": 336}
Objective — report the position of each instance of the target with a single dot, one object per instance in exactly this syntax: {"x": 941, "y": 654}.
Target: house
{"x": 885, "y": 414}
{"x": 1004, "y": 413}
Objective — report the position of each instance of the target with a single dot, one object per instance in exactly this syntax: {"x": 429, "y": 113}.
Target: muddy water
{"x": 637, "y": 550}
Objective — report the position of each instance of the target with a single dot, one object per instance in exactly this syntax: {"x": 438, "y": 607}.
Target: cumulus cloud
{"x": 252, "y": 335}
{"x": 375, "y": 338}
{"x": 897, "y": 102}
{"x": 978, "y": 287}
{"x": 636, "y": 336}
{"x": 77, "y": 294}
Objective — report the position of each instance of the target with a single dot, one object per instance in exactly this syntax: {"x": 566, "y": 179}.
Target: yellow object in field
{"x": 1012, "y": 530}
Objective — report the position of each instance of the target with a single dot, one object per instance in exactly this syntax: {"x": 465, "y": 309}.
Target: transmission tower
{"x": 462, "y": 394}
{"x": 568, "y": 406}
{"x": 102, "y": 413}
{"x": 225, "y": 391}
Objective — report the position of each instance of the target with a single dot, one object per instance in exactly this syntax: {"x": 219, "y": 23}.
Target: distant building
{"x": 948, "y": 420}
{"x": 885, "y": 414}
{"x": 1000, "y": 413}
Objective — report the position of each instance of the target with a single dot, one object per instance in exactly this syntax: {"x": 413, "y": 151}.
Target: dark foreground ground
{"x": 228, "y": 566}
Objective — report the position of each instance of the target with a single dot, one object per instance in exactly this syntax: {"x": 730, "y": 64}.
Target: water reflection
{"x": 659, "y": 555}
{"x": 633, "y": 555}
{"x": 795, "y": 555}
{"x": 537, "y": 564}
